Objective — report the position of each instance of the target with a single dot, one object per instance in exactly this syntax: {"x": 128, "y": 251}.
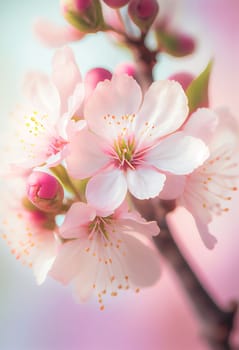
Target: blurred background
{"x": 47, "y": 317}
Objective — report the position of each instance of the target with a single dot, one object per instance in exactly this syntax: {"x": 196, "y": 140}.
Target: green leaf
{"x": 61, "y": 174}
{"x": 197, "y": 92}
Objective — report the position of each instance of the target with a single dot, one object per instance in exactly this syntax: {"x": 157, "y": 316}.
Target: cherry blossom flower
{"x": 209, "y": 189}
{"x": 27, "y": 231}
{"x": 130, "y": 143}
{"x": 105, "y": 254}
{"x": 42, "y": 125}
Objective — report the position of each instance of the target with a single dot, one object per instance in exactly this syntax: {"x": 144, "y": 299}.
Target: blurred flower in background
{"x": 46, "y": 318}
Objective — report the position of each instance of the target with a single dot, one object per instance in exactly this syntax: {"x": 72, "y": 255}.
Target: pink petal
{"x": 173, "y": 187}
{"x": 202, "y": 124}
{"x": 208, "y": 239}
{"x": 145, "y": 183}
{"x": 143, "y": 227}
{"x": 42, "y": 94}
{"x": 65, "y": 74}
{"x": 44, "y": 257}
{"x": 142, "y": 262}
{"x": 163, "y": 111}
{"x": 54, "y": 35}
{"x": 69, "y": 261}
{"x": 110, "y": 101}
{"x": 178, "y": 154}
{"x": 86, "y": 277}
{"x": 75, "y": 102}
{"x": 77, "y": 218}
{"x": 86, "y": 156}
{"x": 107, "y": 190}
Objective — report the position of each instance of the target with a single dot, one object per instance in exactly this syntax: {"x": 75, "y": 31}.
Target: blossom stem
{"x": 144, "y": 58}
{"x": 60, "y": 172}
{"x": 217, "y": 323}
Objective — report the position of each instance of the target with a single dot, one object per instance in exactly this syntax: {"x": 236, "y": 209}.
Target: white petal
{"x": 83, "y": 283}
{"x": 141, "y": 261}
{"x": 202, "y": 124}
{"x": 107, "y": 190}
{"x": 110, "y": 101}
{"x": 145, "y": 183}
{"x": 65, "y": 74}
{"x": 178, "y": 154}
{"x": 163, "y": 111}
{"x": 86, "y": 154}
{"x": 69, "y": 261}
{"x": 42, "y": 94}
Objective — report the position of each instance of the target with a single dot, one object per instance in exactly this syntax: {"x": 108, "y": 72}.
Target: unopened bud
{"x": 175, "y": 44}
{"x": 143, "y": 13}
{"x": 183, "y": 78}
{"x": 44, "y": 191}
{"x": 85, "y": 15}
{"x": 94, "y": 76}
{"x": 116, "y": 3}
{"x": 126, "y": 68}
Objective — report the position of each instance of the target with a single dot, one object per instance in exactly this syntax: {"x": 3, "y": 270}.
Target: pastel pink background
{"x": 46, "y": 317}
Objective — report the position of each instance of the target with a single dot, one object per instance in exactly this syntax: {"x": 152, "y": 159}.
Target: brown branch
{"x": 217, "y": 324}
{"x": 144, "y": 58}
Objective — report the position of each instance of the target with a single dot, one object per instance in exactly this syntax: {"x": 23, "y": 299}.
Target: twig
{"x": 217, "y": 324}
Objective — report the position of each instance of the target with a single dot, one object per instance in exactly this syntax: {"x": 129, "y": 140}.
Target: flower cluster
{"x": 81, "y": 149}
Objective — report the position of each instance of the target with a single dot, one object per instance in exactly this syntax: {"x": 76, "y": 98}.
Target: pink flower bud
{"x": 186, "y": 44}
{"x": 94, "y": 76}
{"x": 143, "y": 12}
{"x": 83, "y": 5}
{"x": 175, "y": 43}
{"x": 44, "y": 191}
{"x": 116, "y": 3}
{"x": 126, "y": 68}
{"x": 183, "y": 78}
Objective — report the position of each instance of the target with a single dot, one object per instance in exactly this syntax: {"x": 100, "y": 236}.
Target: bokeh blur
{"x": 47, "y": 317}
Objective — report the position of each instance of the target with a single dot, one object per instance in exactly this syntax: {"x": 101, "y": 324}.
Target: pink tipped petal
{"x": 173, "y": 187}
{"x": 202, "y": 124}
{"x": 42, "y": 94}
{"x": 110, "y": 101}
{"x": 107, "y": 190}
{"x": 53, "y": 35}
{"x": 65, "y": 74}
{"x": 78, "y": 216}
{"x": 145, "y": 183}
{"x": 142, "y": 262}
{"x": 85, "y": 154}
{"x": 163, "y": 111}
{"x": 208, "y": 239}
{"x": 179, "y": 154}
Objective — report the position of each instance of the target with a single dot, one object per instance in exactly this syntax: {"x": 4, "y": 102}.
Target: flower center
{"x": 56, "y": 145}
{"x": 124, "y": 153}
{"x": 97, "y": 226}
